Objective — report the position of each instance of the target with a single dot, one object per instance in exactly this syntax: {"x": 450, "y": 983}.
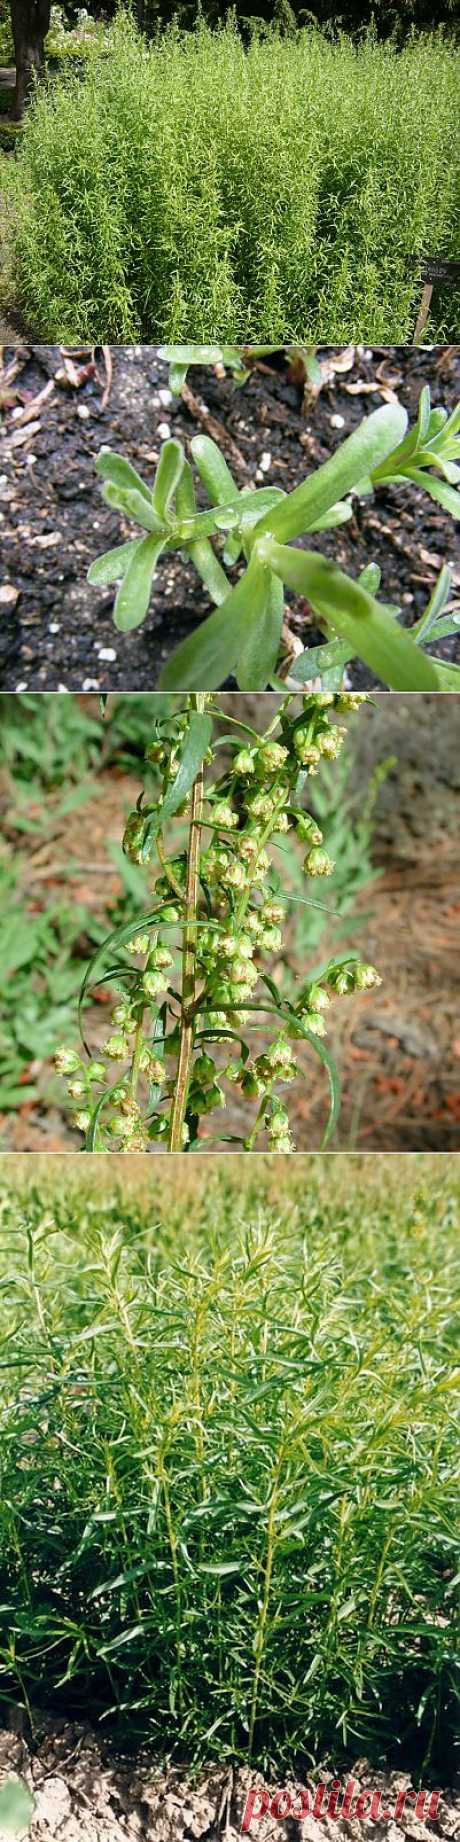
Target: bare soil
{"x": 56, "y": 631}
{"x": 86, "y": 1791}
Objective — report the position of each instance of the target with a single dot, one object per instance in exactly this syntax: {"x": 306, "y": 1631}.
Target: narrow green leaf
{"x": 437, "y": 489}
{"x": 436, "y": 605}
{"x": 322, "y": 661}
{"x": 134, "y": 593}
{"x": 120, "y": 473}
{"x": 375, "y": 438}
{"x": 259, "y": 653}
{"x": 112, "y": 566}
{"x": 168, "y": 474}
{"x": 197, "y": 741}
{"x": 208, "y": 567}
{"x": 134, "y": 505}
{"x": 357, "y": 619}
{"x": 213, "y": 470}
{"x": 370, "y": 578}
{"x": 207, "y": 657}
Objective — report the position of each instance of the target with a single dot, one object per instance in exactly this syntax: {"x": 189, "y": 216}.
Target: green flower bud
{"x": 66, "y": 1061}
{"x": 76, "y": 1089}
{"x": 97, "y": 1071}
{"x": 139, "y": 944}
{"x": 317, "y": 863}
{"x": 307, "y": 831}
{"x": 245, "y": 762}
{"x": 366, "y": 977}
{"x": 314, "y": 1022}
{"x": 307, "y": 752}
{"x": 82, "y": 1120}
{"x": 170, "y": 914}
{"x": 235, "y": 876}
{"x": 117, "y": 1048}
{"x": 153, "y": 982}
{"x": 350, "y": 700}
{"x": 223, "y": 814}
{"x": 272, "y": 756}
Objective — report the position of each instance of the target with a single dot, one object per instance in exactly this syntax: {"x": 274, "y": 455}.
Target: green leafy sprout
{"x": 242, "y": 636}
{"x": 198, "y": 969}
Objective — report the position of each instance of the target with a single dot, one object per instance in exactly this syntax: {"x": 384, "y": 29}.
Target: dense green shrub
{"x": 229, "y": 1479}
{"x": 196, "y": 189}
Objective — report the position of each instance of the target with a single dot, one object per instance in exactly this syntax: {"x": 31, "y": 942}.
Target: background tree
{"x": 30, "y": 23}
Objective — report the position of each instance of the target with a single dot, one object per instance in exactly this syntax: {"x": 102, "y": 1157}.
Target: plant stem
{"x": 187, "y": 1024}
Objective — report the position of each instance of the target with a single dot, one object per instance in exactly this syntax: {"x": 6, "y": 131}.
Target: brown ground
{"x": 54, "y": 628}
{"x": 86, "y": 1792}
{"x": 398, "y": 1048}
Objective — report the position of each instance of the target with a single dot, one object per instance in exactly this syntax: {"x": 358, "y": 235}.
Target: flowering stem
{"x": 187, "y": 1024}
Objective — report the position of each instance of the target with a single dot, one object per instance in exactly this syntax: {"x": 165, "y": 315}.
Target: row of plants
{"x": 197, "y": 187}
{"x": 228, "y": 1456}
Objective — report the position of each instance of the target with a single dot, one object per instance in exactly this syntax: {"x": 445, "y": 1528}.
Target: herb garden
{"x": 200, "y": 186}
{"x": 229, "y": 1508}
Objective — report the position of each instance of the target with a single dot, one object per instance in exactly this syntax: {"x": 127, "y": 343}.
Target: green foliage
{"x": 204, "y": 942}
{"x": 16, "y": 1807}
{"x": 228, "y": 1448}
{"x": 198, "y": 190}
{"x": 50, "y": 746}
{"x": 242, "y": 637}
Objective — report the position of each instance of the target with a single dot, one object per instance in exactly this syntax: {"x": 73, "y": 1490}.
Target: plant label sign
{"x": 439, "y": 269}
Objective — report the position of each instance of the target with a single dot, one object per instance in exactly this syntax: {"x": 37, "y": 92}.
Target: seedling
{"x": 239, "y": 359}
{"x": 199, "y": 969}
{"x": 242, "y": 636}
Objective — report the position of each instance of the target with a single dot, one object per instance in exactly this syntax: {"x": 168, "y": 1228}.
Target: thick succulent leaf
{"x": 134, "y": 505}
{"x": 119, "y": 472}
{"x": 112, "y": 566}
{"x": 352, "y": 463}
{"x": 357, "y": 619}
{"x": 213, "y": 471}
{"x": 206, "y": 658}
{"x": 134, "y": 593}
{"x": 168, "y": 474}
{"x": 258, "y": 658}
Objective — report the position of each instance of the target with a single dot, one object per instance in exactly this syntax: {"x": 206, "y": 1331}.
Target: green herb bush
{"x": 198, "y": 189}
{"x": 229, "y": 1457}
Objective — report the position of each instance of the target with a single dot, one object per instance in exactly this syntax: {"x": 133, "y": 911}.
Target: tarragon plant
{"x": 242, "y": 637}
{"x": 198, "y": 973}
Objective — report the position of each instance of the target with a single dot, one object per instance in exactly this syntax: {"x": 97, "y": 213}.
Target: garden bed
{"x": 194, "y": 188}
{"x": 56, "y": 631}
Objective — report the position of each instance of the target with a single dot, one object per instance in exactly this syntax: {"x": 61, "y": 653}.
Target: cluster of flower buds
{"x": 237, "y": 927}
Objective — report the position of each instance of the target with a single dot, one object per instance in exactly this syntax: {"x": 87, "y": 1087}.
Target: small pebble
{"x": 54, "y": 626}
{"x": 407, "y": 598}
{"x": 165, "y": 397}
{"x": 265, "y": 463}
{"x": 22, "y": 686}
{"x": 89, "y": 684}
{"x": 83, "y": 412}
{"x": 164, "y": 431}
{"x": 107, "y": 652}
{"x": 337, "y": 422}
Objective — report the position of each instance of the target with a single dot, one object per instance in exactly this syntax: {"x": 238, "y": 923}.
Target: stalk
{"x": 187, "y": 1024}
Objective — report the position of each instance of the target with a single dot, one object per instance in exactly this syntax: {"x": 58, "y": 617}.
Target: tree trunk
{"x": 30, "y": 21}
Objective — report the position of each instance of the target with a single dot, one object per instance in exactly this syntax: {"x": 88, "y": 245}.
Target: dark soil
{"x": 56, "y": 632}
{"x": 86, "y": 1791}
